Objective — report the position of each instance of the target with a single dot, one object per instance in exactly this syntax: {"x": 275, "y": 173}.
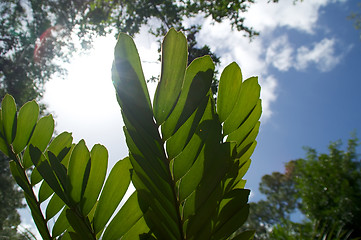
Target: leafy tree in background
{"x": 325, "y": 188}
{"x": 9, "y": 218}
{"x": 37, "y": 36}
{"x": 329, "y": 186}
{"x": 276, "y": 209}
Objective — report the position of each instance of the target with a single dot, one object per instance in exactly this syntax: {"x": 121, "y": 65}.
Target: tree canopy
{"x": 10, "y": 200}
{"x": 37, "y": 36}
{"x": 324, "y": 188}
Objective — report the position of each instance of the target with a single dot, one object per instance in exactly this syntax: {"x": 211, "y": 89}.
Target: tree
{"x": 36, "y": 36}
{"x": 187, "y": 156}
{"x": 278, "y": 206}
{"x": 338, "y": 188}
{"x": 9, "y": 217}
{"x": 325, "y": 188}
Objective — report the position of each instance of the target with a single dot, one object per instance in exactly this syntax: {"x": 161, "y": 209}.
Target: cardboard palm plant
{"x": 187, "y": 155}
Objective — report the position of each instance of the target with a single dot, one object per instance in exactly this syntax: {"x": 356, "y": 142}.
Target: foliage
{"x": 278, "y": 206}
{"x": 9, "y": 217}
{"x": 37, "y": 36}
{"x": 186, "y": 158}
{"x": 356, "y": 17}
{"x": 338, "y": 188}
{"x": 307, "y": 230}
{"x": 325, "y": 188}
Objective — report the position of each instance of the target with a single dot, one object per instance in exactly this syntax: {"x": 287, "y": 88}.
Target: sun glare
{"x": 85, "y": 104}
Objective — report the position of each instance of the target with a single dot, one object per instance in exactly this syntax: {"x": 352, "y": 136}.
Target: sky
{"x": 307, "y": 58}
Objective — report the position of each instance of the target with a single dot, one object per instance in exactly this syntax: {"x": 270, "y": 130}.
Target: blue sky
{"x": 316, "y": 102}
{"x": 308, "y": 59}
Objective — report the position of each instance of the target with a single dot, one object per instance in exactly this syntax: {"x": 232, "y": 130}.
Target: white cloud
{"x": 232, "y": 46}
{"x": 269, "y": 50}
{"x": 302, "y": 16}
{"x": 279, "y": 54}
{"x": 268, "y": 95}
{"x": 322, "y": 54}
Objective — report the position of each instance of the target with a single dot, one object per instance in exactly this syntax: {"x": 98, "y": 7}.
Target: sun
{"x": 85, "y": 103}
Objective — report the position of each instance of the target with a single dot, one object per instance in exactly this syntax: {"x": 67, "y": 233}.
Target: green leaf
{"x": 174, "y": 63}
{"x": 78, "y": 224}
{"x": 76, "y": 170}
{"x": 162, "y": 217}
{"x": 128, "y": 223}
{"x": 45, "y": 170}
{"x": 147, "y": 147}
{"x": 45, "y": 191}
{"x": 65, "y": 236}
{"x": 204, "y": 130}
{"x": 246, "y": 235}
{"x": 76, "y": 236}
{"x": 58, "y": 168}
{"x": 232, "y": 224}
{"x": 61, "y": 224}
{"x": 27, "y": 118}
{"x": 243, "y": 131}
{"x": 114, "y": 189}
{"x": 202, "y": 203}
{"x": 228, "y": 90}
{"x": 129, "y": 83}
{"x": 98, "y": 170}
{"x": 59, "y": 143}
{"x": 248, "y": 97}
{"x": 9, "y": 117}
{"x": 40, "y": 138}
{"x": 233, "y": 211}
{"x": 35, "y": 177}
{"x": 181, "y": 139}
{"x": 241, "y": 148}
{"x": 54, "y": 206}
{"x": 4, "y": 147}
{"x": 198, "y": 79}
{"x": 20, "y": 177}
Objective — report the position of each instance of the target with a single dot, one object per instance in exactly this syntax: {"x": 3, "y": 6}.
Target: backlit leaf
{"x": 40, "y": 138}
{"x": 174, "y": 62}
{"x": 98, "y": 170}
{"x": 247, "y": 100}
{"x": 61, "y": 223}
{"x": 9, "y": 117}
{"x": 54, "y": 206}
{"x": 76, "y": 169}
{"x": 127, "y": 222}
{"x": 45, "y": 191}
{"x": 228, "y": 90}
{"x": 114, "y": 189}
{"x": 196, "y": 85}
{"x": 27, "y": 118}
{"x": 80, "y": 227}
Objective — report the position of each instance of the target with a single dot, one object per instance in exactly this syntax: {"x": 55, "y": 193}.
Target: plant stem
{"x": 32, "y": 197}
